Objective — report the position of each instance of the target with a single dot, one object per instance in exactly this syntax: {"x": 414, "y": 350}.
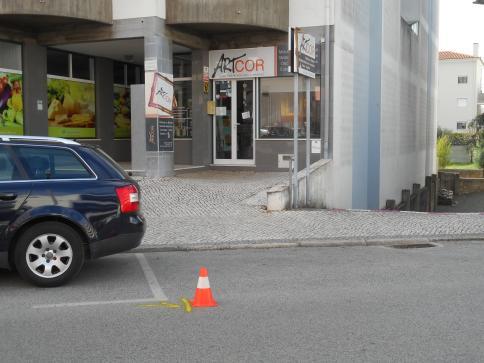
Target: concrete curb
{"x": 328, "y": 242}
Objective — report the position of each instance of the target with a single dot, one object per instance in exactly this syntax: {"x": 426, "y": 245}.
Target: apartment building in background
{"x": 86, "y": 69}
{"x": 460, "y": 89}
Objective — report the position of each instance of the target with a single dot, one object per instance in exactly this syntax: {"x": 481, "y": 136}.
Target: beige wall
{"x": 269, "y": 14}
{"x": 95, "y": 10}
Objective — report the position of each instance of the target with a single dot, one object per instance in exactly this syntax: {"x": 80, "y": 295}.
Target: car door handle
{"x": 8, "y": 196}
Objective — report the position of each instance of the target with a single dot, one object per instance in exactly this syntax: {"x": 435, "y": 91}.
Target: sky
{"x": 461, "y": 25}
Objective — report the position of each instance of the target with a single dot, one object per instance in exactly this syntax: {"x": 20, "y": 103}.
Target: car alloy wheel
{"x": 49, "y": 255}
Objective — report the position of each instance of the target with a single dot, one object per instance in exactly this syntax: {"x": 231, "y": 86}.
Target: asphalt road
{"x": 363, "y": 304}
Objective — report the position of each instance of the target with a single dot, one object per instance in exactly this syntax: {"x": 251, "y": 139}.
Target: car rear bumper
{"x": 121, "y": 242}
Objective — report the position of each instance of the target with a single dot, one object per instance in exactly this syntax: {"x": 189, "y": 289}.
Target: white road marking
{"x": 158, "y": 294}
{"x": 151, "y": 278}
{"x": 92, "y": 303}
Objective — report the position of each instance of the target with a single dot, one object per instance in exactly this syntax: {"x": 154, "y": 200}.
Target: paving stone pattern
{"x": 222, "y": 207}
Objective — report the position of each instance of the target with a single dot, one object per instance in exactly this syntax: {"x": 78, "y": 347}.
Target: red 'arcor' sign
{"x": 241, "y": 63}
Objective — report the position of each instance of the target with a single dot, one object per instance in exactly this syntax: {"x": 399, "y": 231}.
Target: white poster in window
{"x": 245, "y": 115}
{"x": 315, "y": 146}
{"x": 221, "y": 111}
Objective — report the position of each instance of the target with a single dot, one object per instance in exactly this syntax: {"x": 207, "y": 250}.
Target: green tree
{"x": 477, "y": 128}
{"x": 443, "y": 151}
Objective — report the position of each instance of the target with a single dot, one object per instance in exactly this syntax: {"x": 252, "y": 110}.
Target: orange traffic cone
{"x": 203, "y": 295}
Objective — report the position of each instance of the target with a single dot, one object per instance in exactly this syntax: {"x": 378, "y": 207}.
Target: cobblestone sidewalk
{"x": 228, "y": 207}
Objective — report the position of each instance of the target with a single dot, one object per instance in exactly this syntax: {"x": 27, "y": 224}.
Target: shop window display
{"x": 276, "y": 108}
{"x": 124, "y": 75}
{"x": 71, "y": 95}
{"x": 182, "y": 112}
{"x": 11, "y": 89}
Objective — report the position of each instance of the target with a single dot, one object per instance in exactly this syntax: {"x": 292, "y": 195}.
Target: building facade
{"x": 206, "y": 83}
{"x": 461, "y": 96}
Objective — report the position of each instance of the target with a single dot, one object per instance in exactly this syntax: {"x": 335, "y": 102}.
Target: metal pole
{"x": 325, "y": 145}
{"x": 290, "y": 183}
{"x": 308, "y": 138}
{"x": 296, "y": 136}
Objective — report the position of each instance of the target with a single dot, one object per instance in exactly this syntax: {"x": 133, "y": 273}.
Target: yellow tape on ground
{"x": 161, "y": 304}
{"x": 187, "y": 305}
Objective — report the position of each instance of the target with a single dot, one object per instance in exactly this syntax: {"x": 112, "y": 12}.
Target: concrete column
{"x": 104, "y": 101}
{"x": 34, "y": 64}
{"x": 159, "y": 49}
{"x": 202, "y": 123}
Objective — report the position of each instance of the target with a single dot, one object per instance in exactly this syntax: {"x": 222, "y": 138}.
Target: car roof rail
{"x": 38, "y": 138}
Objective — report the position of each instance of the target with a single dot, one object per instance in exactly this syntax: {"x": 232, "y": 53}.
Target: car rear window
{"x": 51, "y": 163}
{"x": 103, "y": 164}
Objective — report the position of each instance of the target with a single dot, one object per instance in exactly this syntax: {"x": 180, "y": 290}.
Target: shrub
{"x": 443, "y": 151}
{"x": 462, "y": 138}
{"x": 481, "y": 158}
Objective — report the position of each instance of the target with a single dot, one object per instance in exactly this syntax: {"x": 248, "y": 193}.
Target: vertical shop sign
{"x": 304, "y": 53}
{"x": 165, "y": 135}
{"x": 284, "y": 60}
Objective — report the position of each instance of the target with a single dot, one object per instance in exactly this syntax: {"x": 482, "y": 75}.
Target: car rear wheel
{"x": 49, "y": 254}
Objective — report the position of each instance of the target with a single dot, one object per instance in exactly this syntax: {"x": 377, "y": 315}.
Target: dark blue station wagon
{"x": 60, "y": 203}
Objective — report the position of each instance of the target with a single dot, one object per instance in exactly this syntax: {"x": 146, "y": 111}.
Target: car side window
{"x": 51, "y": 163}
{"x": 8, "y": 169}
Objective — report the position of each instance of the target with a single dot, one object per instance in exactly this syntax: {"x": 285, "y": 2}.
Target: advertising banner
{"x": 242, "y": 63}
{"x": 72, "y": 107}
{"x": 305, "y": 60}
{"x": 159, "y": 135}
{"x": 284, "y": 61}
{"x": 122, "y": 112}
{"x": 159, "y": 91}
{"x": 11, "y": 103}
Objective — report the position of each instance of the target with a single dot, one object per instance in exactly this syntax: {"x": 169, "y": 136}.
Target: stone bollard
{"x": 416, "y": 200}
{"x": 406, "y": 199}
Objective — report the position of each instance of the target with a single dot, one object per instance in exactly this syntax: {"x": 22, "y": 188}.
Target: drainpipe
{"x": 430, "y": 91}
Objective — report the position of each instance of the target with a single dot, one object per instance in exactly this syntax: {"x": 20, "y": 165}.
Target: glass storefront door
{"x": 234, "y": 122}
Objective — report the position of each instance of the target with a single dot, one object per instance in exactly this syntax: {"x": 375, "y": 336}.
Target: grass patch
{"x": 462, "y": 166}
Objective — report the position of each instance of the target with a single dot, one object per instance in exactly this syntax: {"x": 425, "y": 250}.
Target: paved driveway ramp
{"x": 220, "y": 208}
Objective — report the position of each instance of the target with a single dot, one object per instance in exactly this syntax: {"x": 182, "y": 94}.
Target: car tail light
{"x": 128, "y": 198}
